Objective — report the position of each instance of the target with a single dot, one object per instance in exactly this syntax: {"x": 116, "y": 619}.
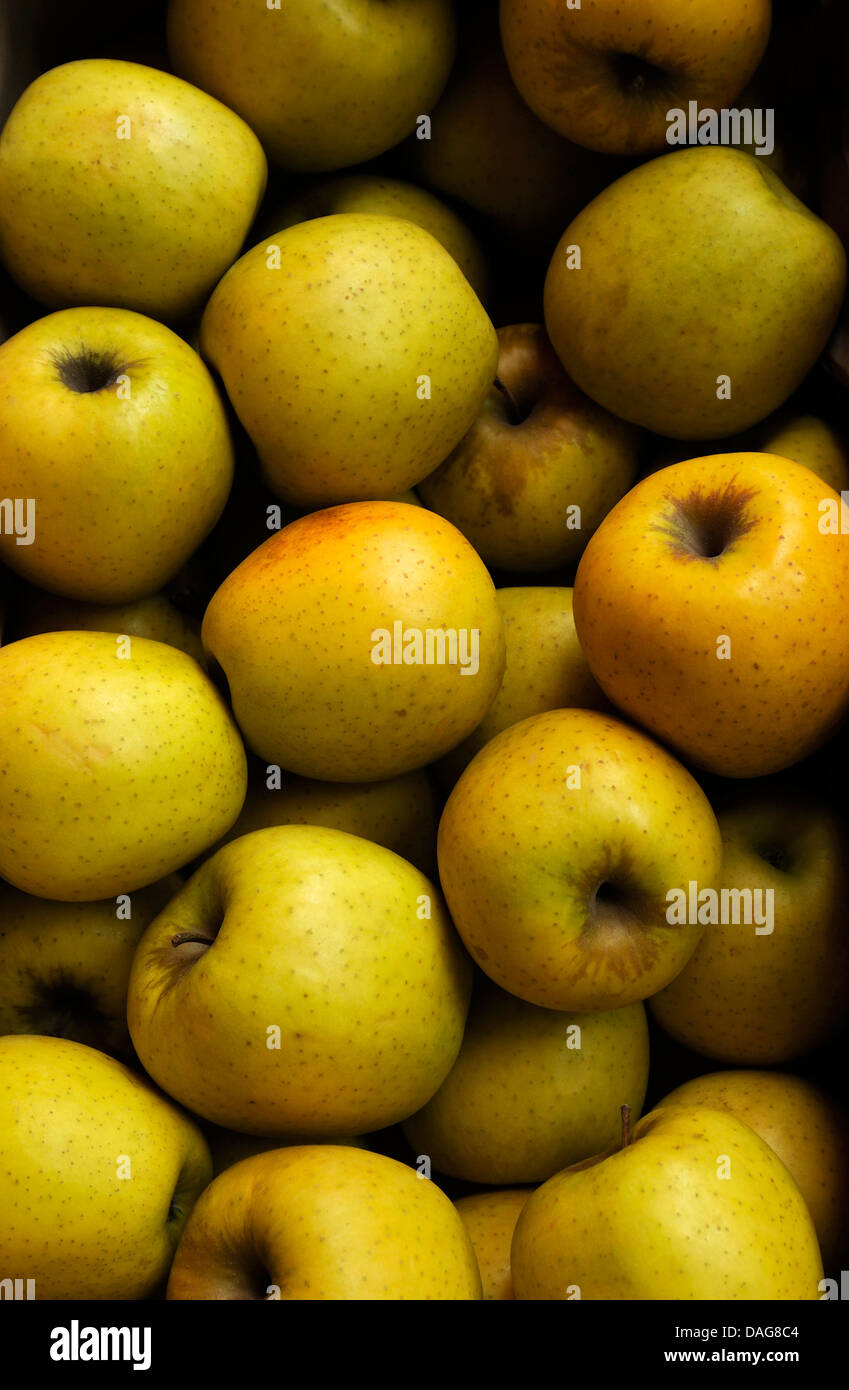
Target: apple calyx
{"x": 87, "y": 370}
{"x": 636, "y": 76}
{"x": 705, "y": 524}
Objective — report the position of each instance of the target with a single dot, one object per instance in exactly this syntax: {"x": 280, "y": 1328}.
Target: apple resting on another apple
{"x": 490, "y": 1219}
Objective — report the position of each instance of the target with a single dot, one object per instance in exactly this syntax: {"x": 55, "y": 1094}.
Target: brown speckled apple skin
{"x": 490, "y": 1219}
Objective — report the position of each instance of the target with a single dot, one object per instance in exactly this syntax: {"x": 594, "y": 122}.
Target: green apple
{"x": 304, "y": 981}
{"x": 119, "y": 762}
{"x": 113, "y": 426}
{"x": 490, "y": 1219}
{"x": 323, "y": 86}
{"x": 695, "y": 1207}
{"x": 123, "y": 185}
{"x": 155, "y": 617}
{"x": 359, "y": 643}
{"x": 64, "y": 967}
{"x": 355, "y": 352}
{"x": 332, "y": 1223}
{"x": 545, "y": 669}
{"x": 770, "y": 979}
{"x": 532, "y": 1090}
{"x": 539, "y": 468}
{"x": 804, "y": 1126}
{"x": 557, "y": 848}
{"x": 97, "y": 1172}
{"x": 812, "y": 442}
{"x": 401, "y": 813}
{"x": 370, "y": 193}
{"x": 606, "y": 74}
{"x": 705, "y": 293}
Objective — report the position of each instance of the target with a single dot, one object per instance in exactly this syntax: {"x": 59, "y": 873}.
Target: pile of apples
{"x": 408, "y": 724}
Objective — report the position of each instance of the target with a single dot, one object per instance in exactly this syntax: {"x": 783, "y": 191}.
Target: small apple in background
{"x": 760, "y": 997}
{"x": 97, "y": 1172}
{"x": 804, "y": 1126}
{"x": 605, "y": 74}
{"x": 370, "y": 193}
{"x": 705, "y": 294}
{"x": 115, "y": 429}
{"x": 341, "y": 947}
{"x": 64, "y": 967}
{"x": 156, "y": 618}
{"x": 401, "y": 813}
{"x": 490, "y": 1219}
{"x": 709, "y": 606}
{"x": 323, "y": 87}
{"x": 356, "y": 363}
{"x": 539, "y": 468}
{"x": 297, "y": 629}
{"x": 545, "y": 669}
{"x": 123, "y": 185}
{"x": 227, "y": 1146}
{"x": 332, "y": 1223}
{"x": 130, "y": 765}
{"x": 557, "y": 848}
{"x": 532, "y": 1090}
{"x": 814, "y": 443}
{"x": 696, "y": 1206}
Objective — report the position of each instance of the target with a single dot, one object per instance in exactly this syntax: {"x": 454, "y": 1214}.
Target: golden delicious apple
{"x": 323, "y": 86}
{"x": 123, "y": 185}
{"x": 355, "y": 352}
{"x": 113, "y": 426}
{"x": 304, "y": 981}
{"x": 402, "y": 813}
{"x": 97, "y": 1172}
{"x": 332, "y": 1223}
{"x": 808, "y": 1131}
{"x": 349, "y": 638}
{"x": 812, "y": 442}
{"x": 490, "y": 1219}
{"x": 539, "y": 468}
{"x": 557, "y": 849}
{"x": 389, "y": 198}
{"x": 694, "y": 294}
{"x": 695, "y": 1207}
{"x": 709, "y": 605}
{"x": 118, "y": 763}
{"x": 532, "y": 1090}
{"x": 155, "y": 617}
{"x": 769, "y": 979}
{"x": 605, "y": 74}
{"x": 64, "y": 967}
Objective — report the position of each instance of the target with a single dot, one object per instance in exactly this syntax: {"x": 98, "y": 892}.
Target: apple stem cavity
{"x": 515, "y": 412}
{"x": 625, "y": 1113}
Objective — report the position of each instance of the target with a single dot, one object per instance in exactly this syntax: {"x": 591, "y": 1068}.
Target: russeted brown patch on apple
{"x": 705, "y": 523}
{"x": 86, "y": 370}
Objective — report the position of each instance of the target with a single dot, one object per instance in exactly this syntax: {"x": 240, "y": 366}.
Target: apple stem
{"x": 511, "y": 400}
{"x": 625, "y": 1112}
{"x": 183, "y": 937}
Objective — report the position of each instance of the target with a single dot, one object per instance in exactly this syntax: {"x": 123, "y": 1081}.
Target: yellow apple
{"x": 359, "y": 642}
{"x": 709, "y": 605}
{"x": 332, "y": 1223}
{"x": 605, "y": 74}
{"x": 227, "y": 1146}
{"x": 113, "y": 426}
{"x": 355, "y": 352}
{"x": 304, "y": 981}
{"x": 490, "y": 1219}
{"x": 812, "y": 442}
{"x": 557, "y": 848}
{"x": 118, "y": 763}
{"x": 323, "y": 86}
{"x": 695, "y": 1207}
{"x": 97, "y": 1172}
{"x": 704, "y": 294}
{"x": 123, "y": 185}
{"x": 532, "y": 1090}
{"x": 808, "y": 1131}
{"x": 155, "y": 617}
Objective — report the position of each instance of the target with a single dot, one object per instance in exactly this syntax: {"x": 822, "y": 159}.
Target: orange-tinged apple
{"x": 490, "y": 1219}
{"x": 605, "y": 74}
{"x": 539, "y": 468}
{"x": 557, "y": 849}
{"x": 324, "y": 1223}
{"x": 359, "y": 642}
{"x": 709, "y": 605}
